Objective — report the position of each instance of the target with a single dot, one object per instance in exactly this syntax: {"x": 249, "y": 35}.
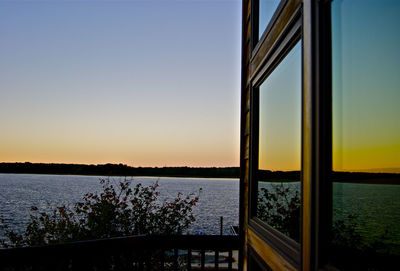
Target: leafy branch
{"x": 118, "y": 210}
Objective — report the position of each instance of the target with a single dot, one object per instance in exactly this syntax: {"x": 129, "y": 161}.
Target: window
{"x": 266, "y": 11}
{"x": 279, "y": 150}
{"x": 275, "y": 144}
{"x": 366, "y": 134}
{"x": 345, "y": 112}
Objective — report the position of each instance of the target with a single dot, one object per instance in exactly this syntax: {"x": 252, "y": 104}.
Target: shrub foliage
{"x": 279, "y": 206}
{"x": 118, "y": 210}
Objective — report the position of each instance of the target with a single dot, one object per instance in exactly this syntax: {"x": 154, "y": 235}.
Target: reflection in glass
{"x": 266, "y": 11}
{"x": 366, "y": 134}
{"x": 279, "y": 146}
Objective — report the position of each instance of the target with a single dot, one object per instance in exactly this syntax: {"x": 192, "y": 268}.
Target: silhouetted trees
{"x": 119, "y": 170}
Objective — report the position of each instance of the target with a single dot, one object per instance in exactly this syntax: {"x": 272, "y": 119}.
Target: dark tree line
{"x": 337, "y": 176}
{"x": 119, "y": 170}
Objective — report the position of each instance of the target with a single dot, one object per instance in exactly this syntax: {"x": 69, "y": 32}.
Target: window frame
{"x": 288, "y": 31}
{"x": 257, "y": 40}
{"x": 316, "y": 123}
{"x": 317, "y": 134}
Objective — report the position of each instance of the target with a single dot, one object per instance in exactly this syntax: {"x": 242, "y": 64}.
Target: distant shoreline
{"x": 121, "y": 170}
{"x": 336, "y": 177}
{"x": 118, "y": 170}
{"x": 119, "y": 176}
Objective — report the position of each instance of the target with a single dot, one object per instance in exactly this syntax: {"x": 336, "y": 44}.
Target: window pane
{"x": 266, "y": 11}
{"x": 279, "y": 146}
{"x": 366, "y": 134}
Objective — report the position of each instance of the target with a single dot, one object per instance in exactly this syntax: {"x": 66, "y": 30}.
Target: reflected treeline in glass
{"x": 366, "y": 220}
{"x": 366, "y": 135}
{"x": 279, "y": 139}
{"x": 278, "y": 202}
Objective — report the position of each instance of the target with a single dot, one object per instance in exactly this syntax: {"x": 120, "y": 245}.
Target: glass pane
{"x": 366, "y": 134}
{"x": 266, "y": 11}
{"x": 279, "y": 146}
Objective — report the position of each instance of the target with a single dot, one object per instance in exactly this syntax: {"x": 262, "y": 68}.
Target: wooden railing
{"x": 178, "y": 252}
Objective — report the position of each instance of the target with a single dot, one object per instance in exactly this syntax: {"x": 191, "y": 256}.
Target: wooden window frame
{"x": 255, "y": 39}
{"x": 317, "y": 134}
{"x": 287, "y": 24}
{"x": 314, "y": 17}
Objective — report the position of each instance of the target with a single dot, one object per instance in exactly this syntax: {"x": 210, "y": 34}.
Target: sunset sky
{"x": 280, "y": 115}
{"x": 157, "y": 83}
{"x": 144, "y": 83}
{"x": 366, "y": 94}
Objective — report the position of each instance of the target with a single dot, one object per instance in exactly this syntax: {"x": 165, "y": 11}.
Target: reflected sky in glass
{"x": 280, "y": 115}
{"x": 366, "y": 85}
{"x": 366, "y": 133}
{"x": 267, "y": 9}
{"x": 278, "y": 198}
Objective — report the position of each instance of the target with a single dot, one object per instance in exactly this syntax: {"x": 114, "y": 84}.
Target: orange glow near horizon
{"x": 280, "y": 116}
{"x": 146, "y": 154}
{"x": 89, "y": 82}
{"x": 368, "y": 159}
{"x": 366, "y": 123}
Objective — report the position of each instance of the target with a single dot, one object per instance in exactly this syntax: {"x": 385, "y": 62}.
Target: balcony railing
{"x": 177, "y": 252}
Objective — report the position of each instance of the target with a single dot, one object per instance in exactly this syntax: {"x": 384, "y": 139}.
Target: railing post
{"x": 230, "y": 258}
{"x": 175, "y": 259}
{"x": 189, "y": 259}
{"x": 162, "y": 260}
{"x": 216, "y": 260}
{"x": 221, "y": 225}
{"x": 203, "y": 258}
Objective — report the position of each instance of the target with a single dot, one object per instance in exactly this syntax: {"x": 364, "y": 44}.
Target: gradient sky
{"x": 145, "y": 83}
{"x": 280, "y": 115}
{"x": 366, "y": 85}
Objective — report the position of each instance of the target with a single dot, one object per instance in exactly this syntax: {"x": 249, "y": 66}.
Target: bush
{"x": 116, "y": 211}
{"x": 279, "y": 206}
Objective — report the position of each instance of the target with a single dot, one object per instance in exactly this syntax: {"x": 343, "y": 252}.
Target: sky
{"x": 157, "y": 83}
{"x": 366, "y": 94}
{"x": 143, "y": 83}
{"x": 280, "y": 115}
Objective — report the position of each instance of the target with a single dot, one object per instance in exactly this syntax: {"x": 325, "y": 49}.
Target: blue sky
{"x": 146, "y": 83}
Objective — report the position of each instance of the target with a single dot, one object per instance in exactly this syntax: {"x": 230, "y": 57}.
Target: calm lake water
{"x": 18, "y": 192}
{"x": 377, "y": 206}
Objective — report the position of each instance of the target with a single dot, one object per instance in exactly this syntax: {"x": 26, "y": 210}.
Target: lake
{"x": 376, "y": 206}
{"x": 18, "y": 192}
{"x": 376, "y": 211}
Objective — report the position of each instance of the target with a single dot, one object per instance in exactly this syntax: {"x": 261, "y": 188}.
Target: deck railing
{"x": 136, "y": 253}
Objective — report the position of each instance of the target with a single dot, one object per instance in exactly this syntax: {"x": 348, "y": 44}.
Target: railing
{"x": 136, "y": 253}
